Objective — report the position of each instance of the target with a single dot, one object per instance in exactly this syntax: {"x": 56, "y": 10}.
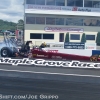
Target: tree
{"x": 83, "y": 39}
{"x": 98, "y": 38}
{"x": 20, "y": 21}
{"x": 20, "y": 24}
{"x": 5, "y": 25}
{"x": 67, "y": 37}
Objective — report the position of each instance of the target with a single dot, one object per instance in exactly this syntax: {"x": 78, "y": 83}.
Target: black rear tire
{"x": 6, "y": 52}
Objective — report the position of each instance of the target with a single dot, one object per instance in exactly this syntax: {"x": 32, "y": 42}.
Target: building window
{"x": 40, "y": 2}
{"x": 74, "y": 37}
{"x": 70, "y": 3}
{"x": 30, "y": 20}
{"x": 62, "y": 21}
{"x": 60, "y": 2}
{"x": 91, "y": 22}
{"x": 30, "y": 1}
{"x": 48, "y": 36}
{"x": 61, "y": 37}
{"x": 90, "y": 37}
{"x": 40, "y": 20}
{"x": 96, "y": 4}
{"x": 74, "y": 21}
{"x": 91, "y": 3}
{"x": 50, "y": 2}
{"x": 59, "y": 21}
{"x": 78, "y": 3}
{"x": 50, "y": 21}
{"x": 87, "y": 3}
{"x": 35, "y": 36}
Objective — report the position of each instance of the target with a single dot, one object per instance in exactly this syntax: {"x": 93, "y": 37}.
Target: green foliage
{"x": 83, "y": 39}
{"x": 5, "y": 25}
{"x": 67, "y": 37}
{"x": 98, "y": 38}
{"x": 20, "y": 24}
{"x": 20, "y": 21}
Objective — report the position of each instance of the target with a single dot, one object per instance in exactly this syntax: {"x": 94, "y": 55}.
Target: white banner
{"x": 90, "y": 46}
{"x": 56, "y": 45}
{"x": 63, "y": 29}
{"x": 62, "y": 8}
{"x": 39, "y": 7}
{"x": 88, "y": 9}
{"x": 81, "y": 9}
{"x": 49, "y": 63}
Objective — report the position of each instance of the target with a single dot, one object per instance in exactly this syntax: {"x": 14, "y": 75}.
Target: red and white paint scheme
{"x": 70, "y": 54}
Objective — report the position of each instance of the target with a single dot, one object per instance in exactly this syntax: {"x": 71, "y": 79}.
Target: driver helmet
{"x": 44, "y": 44}
{"x": 30, "y": 44}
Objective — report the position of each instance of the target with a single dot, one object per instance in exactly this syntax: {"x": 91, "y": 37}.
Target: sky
{"x": 11, "y": 10}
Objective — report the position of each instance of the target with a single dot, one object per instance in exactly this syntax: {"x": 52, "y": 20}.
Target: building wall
{"x": 77, "y": 3}
{"x": 40, "y": 29}
{"x": 63, "y": 9}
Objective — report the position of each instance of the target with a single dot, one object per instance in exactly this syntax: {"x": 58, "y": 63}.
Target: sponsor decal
{"x": 39, "y": 7}
{"x": 42, "y": 62}
{"x": 31, "y": 7}
{"x": 84, "y": 9}
{"x": 66, "y": 29}
{"x": 57, "y": 45}
{"x": 55, "y": 51}
{"x": 74, "y": 45}
{"x": 91, "y": 46}
{"x": 66, "y": 8}
{"x": 74, "y": 9}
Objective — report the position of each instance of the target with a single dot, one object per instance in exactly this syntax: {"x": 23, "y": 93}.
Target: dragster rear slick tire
{"x": 6, "y": 52}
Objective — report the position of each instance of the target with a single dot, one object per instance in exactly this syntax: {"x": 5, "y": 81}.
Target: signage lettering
{"x": 52, "y": 51}
{"x": 56, "y": 29}
{"x": 42, "y": 62}
{"x": 74, "y": 45}
{"x": 89, "y": 47}
{"x": 74, "y": 9}
{"x": 61, "y": 8}
{"x": 43, "y": 7}
{"x": 84, "y": 9}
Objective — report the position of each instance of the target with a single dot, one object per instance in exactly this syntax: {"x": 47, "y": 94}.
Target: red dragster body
{"x": 64, "y": 54}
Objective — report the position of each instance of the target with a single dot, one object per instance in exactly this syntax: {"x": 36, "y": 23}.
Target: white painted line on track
{"x": 49, "y": 73}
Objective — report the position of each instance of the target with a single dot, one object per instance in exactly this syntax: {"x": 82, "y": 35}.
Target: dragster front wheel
{"x": 93, "y": 59}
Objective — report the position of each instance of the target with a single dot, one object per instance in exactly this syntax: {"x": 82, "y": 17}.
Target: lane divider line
{"x": 63, "y": 74}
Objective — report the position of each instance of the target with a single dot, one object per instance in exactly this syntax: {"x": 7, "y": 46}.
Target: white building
{"x": 50, "y": 20}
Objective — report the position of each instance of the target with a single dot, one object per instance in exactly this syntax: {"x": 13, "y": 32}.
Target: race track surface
{"x": 77, "y": 84}
{"x": 64, "y": 90}
{"x": 74, "y": 71}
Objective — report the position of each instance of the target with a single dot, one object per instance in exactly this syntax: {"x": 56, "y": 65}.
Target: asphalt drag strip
{"x": 60, "y": 74}
{"x": 18, "y": 87}
{"x": 42, "y": 82}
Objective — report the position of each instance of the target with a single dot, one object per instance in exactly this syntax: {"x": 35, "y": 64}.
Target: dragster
{"x": 10, "y": 49}
{"x": 66, "y": 54}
